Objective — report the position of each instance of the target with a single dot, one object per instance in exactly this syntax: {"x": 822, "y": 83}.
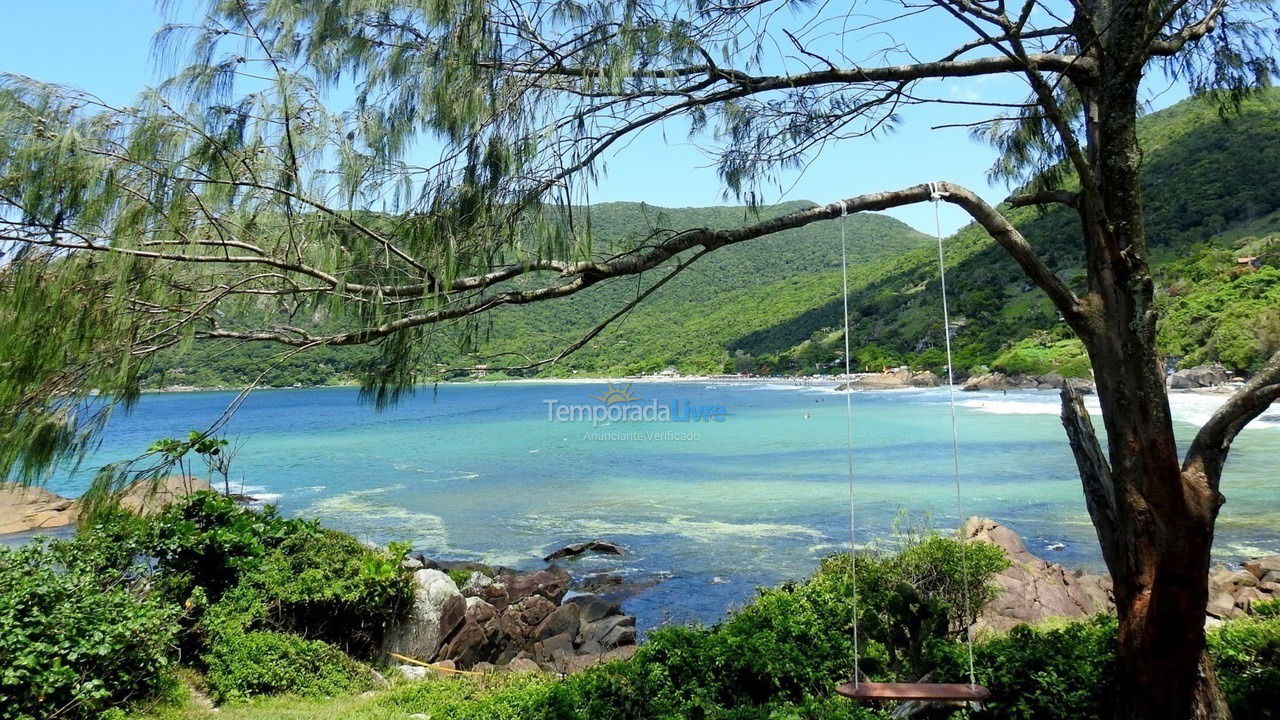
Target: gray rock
{"x": 1201, "y": 376}
{"x": 412, "y": 672}
{"x": 562, "y": 621}
{"x": 438, "y": 609}
{"x": 476, "y": 585}
{"x": 598, "y": 546}
{"x": 412, "y": 563}
{"x": 591, "y": 607}
{"x": 605, "y": 634}
{"x": 522, "y": 665}
{"x": 551, "y": 584}
{"x": 1222, "y": 605}
{"x": 554, "y": 650}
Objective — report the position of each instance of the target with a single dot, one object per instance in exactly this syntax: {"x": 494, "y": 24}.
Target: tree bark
{"x": 1154, "y": 521}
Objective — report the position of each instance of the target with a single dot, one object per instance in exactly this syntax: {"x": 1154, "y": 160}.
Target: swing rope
{"x": 848, "y": 437}
{"x": 935, "y": 195}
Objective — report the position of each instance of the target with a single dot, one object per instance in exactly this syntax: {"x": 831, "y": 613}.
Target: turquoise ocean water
{"x": 709, "y": 509}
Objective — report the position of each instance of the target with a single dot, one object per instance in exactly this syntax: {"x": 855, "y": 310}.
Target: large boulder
{"x": 1200, "y": 376}
{"x": 1264, "y": 566}
{"x": 1032, "y": 589}
{"x": 891, "y": 379}
{"x": 33, "y": 508}
{"x": 551, "y": 584}
{"x": 23, "y": 509}
{"x": 437, "y": 612}
{"x": 606, "y": 634}
{"x": 604, "y": 547}
{"x": 591, "y": 607}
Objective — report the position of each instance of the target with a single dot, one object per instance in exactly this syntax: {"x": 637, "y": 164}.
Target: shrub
{"x": 1267, "y": 608}
{"x": 208, "y": 541}
{"x": 1044, "y": 672}
{"x": 75, "y": 640}
{"x": 1042, "y": 355}
{"x": 1246, "y": 654}
{"x": 266, "y": 663}
{"x": 320, "y": 584}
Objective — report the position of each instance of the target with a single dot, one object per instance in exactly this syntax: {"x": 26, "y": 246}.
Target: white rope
{"x": 848, "y": 433}
{"x": 936, "y": 196}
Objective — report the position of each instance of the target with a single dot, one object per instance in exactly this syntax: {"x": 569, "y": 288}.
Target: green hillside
{"x": 1213, "y": 194}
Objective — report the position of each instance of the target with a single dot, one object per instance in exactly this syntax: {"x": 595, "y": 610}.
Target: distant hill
{"x": 1213, "y": 194}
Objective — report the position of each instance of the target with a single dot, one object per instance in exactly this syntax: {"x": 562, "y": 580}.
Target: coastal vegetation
{"x": 273, "y": 617}
{"x": 143, "y": 228}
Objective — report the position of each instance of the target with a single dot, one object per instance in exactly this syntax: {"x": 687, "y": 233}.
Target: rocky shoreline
{"x": 29, "y": 508}
{"x": 504, "y": 619}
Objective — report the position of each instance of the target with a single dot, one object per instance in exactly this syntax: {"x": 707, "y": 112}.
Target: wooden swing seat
{"x": 936, "y": 692}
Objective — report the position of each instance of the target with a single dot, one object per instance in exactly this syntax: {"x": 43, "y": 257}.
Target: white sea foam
{"x": 684, "y": 525}
{"x": 1189, "y": 407}
{"x": 367, "y": 509}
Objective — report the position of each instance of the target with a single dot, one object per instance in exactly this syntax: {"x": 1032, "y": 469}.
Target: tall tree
{"x": 133, "y": 229}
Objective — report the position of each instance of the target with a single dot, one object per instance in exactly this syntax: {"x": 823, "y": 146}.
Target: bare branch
{"x": 1208, "y": 452}
{"x": 1046, "y": 197}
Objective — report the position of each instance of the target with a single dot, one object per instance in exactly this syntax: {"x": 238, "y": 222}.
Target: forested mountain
{"x": 773, "y": 304}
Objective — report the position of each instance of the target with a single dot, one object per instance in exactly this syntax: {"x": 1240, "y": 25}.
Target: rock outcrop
{"x": 510, "y": 620}
{"x": 1200, "y": 376}
{"x": 1000, "y": 381}
{"x": 1033, "y": 589}
{"x": 1233, "y": 592}
{"x": 26, "y": 509}
{"x": 603, "y": 547}
{"x": 438, "y": 610}
{"x": 33, "y": 508}
{"x": 891, "y": 379}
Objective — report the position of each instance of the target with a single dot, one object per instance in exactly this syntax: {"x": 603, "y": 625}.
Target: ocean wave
{"x": 684, "y": 525}
{"x": 1187, "y": 407}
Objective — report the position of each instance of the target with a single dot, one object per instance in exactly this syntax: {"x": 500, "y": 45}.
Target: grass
{"x": 448, "y": 697}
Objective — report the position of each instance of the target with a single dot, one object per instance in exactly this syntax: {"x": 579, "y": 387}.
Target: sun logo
{"x": 615, "y": 394}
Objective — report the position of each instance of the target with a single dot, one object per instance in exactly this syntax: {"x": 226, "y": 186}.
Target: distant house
{"x": 669, "y": 372}
{"x": 1249, "y": 262}
{"x": 479, "y": 371}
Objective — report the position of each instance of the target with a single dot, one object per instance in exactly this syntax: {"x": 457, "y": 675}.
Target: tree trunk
{"x": 1154, "y": 523}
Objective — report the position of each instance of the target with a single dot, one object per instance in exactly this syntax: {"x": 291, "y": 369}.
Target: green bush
{"x": 268, "y": 663}
{"x": 1045, "y": 672}
{"x": 320, "y": 584}
{"x": 1041, "y": 354}
{"x": 1267, "y": 608}
{"x": 209, "y": 540}
{"x": 1246, "y": 654}
{"x": 75, "y": 640}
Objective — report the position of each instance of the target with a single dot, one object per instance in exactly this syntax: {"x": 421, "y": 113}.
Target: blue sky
{"x": 103, "y": 46}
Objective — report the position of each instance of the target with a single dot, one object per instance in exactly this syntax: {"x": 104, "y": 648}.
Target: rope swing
{"x": 857, "y": 689}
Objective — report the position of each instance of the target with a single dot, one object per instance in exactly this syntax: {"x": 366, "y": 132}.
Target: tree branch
{"x": 1046, "y": 197}
{"x": 1091, "y": 460}
{"x": 582, "y": 275}
{"x": 1208, "y": 452}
